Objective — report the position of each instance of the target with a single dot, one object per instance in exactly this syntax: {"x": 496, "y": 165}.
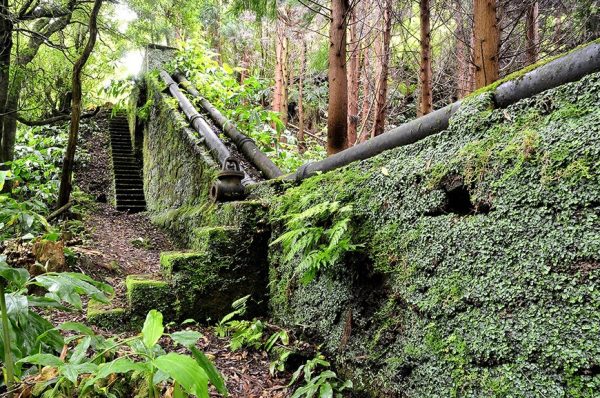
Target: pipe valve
{"x": 228, "y": 186}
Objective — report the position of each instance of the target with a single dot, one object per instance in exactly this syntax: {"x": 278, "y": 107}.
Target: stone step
{"x": 125, "y": 185}
{"x": 133, "y": 181}
{"x": 219, "y": 239}
{"x": 129, "y": 186}
{"x": 126, "y": 164}
{"x": 130, "y": 171}
{"x": 147, "y": 292}
{"x": 122, "y": 157}
{"x": 125, "y": 198}
{"x": 122, "y": 153}
{"x": 126, "y": 167}
{"x": 130, "y": 192}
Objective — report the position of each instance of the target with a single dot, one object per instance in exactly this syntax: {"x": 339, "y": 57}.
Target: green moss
{"x": 205, "y": 283}
{"x": 172, "y": 262}
{"x": 216, "y": 239}
{"x": 145, "y": 293}
{"x": 490, "y": 292}
{"x": 107, "y": 317}
{"x": 177, "y": 172}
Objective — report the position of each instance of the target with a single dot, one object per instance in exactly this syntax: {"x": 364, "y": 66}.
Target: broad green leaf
{"x": 153, "y": 328}
{"x": 42, "y": 360}
{"x": 72, "y": 371}
{"x": 119, "y": 365}
{"x": 177, "y": 391}
{"x": 159, "y": 377}
{"x": 77, "y": 327}
{"x": 17, "y": 308}
{"x": 3, "y": 176}
{"x": 214, "y": 375}
{"x": 38, "y": 301}
{"x": 326, "y": 391}
{"x": 17, "y": 276}
{"x": 186, "y": 338}
{"x": 185, "y": 371}
{"x": 80, "y": 351}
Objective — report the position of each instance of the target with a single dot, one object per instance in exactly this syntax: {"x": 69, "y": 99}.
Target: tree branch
{"x": 55, "y": 119}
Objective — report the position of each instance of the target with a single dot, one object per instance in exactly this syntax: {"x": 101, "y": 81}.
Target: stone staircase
{"x": 129, "y": 186}
{"x": 223, "y": 264}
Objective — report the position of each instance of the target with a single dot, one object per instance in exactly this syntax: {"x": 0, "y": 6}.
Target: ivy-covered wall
{"x": 469, "y": 262}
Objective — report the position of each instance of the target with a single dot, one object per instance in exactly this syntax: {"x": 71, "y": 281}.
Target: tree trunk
{"x": 301, "y": 141}
{"x": 6, "y": 27}
{"x": 337, "y": 120}
{"x": 382, "y": 78}
{"x": 367, "y": 102}
{"x": 463, "y": 69}
{"x": 44, "y": 29}
{"x": 487, "y": 42}
{"x": 66, "y": 179}
{"x": 353, "y": 80}
{"x": 426, "y": 103}
{"x": 533, "y": 33}
{"x": 9, "y": 124}
{"x": 281, "y": 73}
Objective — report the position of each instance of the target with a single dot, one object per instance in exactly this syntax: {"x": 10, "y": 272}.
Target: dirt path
{"x": 117, "y": 244}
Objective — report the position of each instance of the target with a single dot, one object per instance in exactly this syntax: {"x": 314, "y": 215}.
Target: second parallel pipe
{"x": 216, "y": 147}
{"x": 245, "y": 144}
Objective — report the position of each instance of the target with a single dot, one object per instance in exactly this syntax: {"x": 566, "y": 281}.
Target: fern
{"x": 317, "y": 245}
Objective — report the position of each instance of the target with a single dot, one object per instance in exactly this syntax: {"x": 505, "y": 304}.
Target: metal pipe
{"x": 566, "y": 69}
{"x": 215, "y": 146}
{"x": 569, "y": 68}
{"x": 245, "y": 144}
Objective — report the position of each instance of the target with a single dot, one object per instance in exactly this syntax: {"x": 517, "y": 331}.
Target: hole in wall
{"x": 458, "y": 199}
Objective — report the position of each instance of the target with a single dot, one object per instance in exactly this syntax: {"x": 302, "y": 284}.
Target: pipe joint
{"x": 228, "y": 186}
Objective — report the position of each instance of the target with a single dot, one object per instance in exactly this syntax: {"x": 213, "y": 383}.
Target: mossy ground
{"x": 479, "y": 272}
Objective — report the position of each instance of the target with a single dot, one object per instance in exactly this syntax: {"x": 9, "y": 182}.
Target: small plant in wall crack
{"x": 320, "y": 236}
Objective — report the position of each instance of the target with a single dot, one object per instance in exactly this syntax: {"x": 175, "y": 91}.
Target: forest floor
{"x": 116, "y": 244}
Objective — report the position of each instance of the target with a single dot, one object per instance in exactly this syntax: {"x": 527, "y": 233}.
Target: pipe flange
{"x": 228, "y": 186}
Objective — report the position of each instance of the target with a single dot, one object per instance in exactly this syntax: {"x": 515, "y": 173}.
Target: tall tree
{"x": 365, "y": 112}
{"x": 47, "y": 20}
{"x": 532, "y": 32}
{"x": 280, "y": 92}
{"x": 463, "y": 69}
{"x": 353, "y": 78}
{"x": 426, "y": 103}
{"x": 6, "y": 31}
{"x": 337, "y": 110}
{"x": 66, "y": 180}
{"x": 301, "y": 141}
{"x": 487, "y": 42}
{"x": 383, "y": 68}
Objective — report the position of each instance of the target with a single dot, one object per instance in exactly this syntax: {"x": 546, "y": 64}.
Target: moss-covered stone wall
{"x": 472, "y": 264}
{"x": 467, "y": 264}
{"x": 177, "y": 171}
